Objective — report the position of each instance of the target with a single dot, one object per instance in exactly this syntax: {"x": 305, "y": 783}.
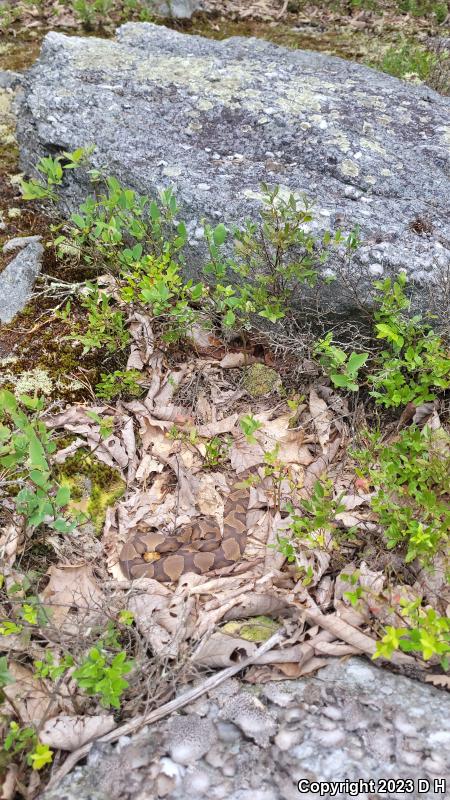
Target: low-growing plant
{"x": 249, "y": 425}
{"x": 52, "y": 171}
{"x": 415, "y": 364}
{"x": 343, "y": 369}
{"x": 120, "y": 383}
{"x": 102, "y": 675}
{"x": 25, "y": 450}
{"x": 410, "y": 479}
{"x": 217, "y": 450}
{"x": 312, "y": 521}
{"x": 106, "y": 324}
{"x": 25, "y": 741}
{"x": 272, "y": 260}
{"x": 424, "y": 632}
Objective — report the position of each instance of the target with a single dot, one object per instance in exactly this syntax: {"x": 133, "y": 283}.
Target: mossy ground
{"x": 94, "y": 486}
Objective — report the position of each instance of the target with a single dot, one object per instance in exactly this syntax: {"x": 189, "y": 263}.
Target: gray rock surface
{"x": 18, "y": 277}
{"x": 9, "y": 79}
{"x": 351, "y": 721}
{"x": 177, "y": 9}
{"x": 215, "y": 119}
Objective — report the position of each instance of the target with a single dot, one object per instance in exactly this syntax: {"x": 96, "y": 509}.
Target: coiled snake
{"x": 199, "y": 547}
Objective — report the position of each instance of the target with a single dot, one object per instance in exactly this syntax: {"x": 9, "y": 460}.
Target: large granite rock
{"x": 350, "y": 722}
{"x": 215, "y": 119}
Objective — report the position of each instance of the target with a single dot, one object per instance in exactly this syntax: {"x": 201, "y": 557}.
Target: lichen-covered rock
{"x": 177, "y": 9}
{"x": 215, "y": 119}
{"x": 18, "y": 277}
{"x": 189, "y": 737}
{"x": 350, "y": 721}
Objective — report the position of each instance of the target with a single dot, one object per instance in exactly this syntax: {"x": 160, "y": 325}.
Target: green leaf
{"x": 62, "y": 496}
{"x": 5, "y": 675}
{"x": 40, "y": 757}
{"x": 219, "y": 234}
{"x": 356, "y": 361}
{"x": 7, "y": 401}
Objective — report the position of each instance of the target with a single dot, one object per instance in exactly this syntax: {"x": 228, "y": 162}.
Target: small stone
{"x": 189, "y": 738}
{"x": 332, "y": 738}
{"x": 376, "y": 270}
{"x": 404, "y": 725}
{"x": 332, "y": 712}
{"x": 196, "y": 782}
{"x": 251, "y": 716}
{"x": 285, "y": 739}
{"x": 227, "y": 732}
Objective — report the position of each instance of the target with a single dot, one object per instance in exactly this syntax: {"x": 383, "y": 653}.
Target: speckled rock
{"x": 18, "y": 277}
{"x": 216, "y": 118}
{"x": 351, "y": 721}
{"x": 9, "y": 79}
{"x": 177, "y": 9}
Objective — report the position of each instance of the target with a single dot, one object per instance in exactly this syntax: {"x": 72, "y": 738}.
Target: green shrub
{"x": 410, "y": 479}
{"x": 272, "y": 259}
{"x": 426, "y": 633}
{"x": 415, "y": 364}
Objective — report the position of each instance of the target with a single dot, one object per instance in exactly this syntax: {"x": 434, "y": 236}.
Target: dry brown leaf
{"x": 439, "y": 680}
{"x": 28, "y": 695}
{"x": 244, "y": 456}
{"x": 225, "y": 425}
{"x": 321, "y": 417}
{"x": 143, "y": 343}
{"x": 71, "y": 587}
{"x": 264, "y": 603}
{"x": 65, "y": 732}
{"x": 10, "y": 538}
{"x": 9, "y": 783}
{"x": 277, "y": 433}
{"x": 163, "y": 618}
{"x": 222, "y": 650}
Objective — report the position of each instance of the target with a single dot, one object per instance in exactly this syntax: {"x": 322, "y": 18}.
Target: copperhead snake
{"x": 199, "y": 547}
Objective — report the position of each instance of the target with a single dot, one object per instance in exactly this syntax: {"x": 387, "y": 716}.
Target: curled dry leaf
{"x": 65, "y": 732}
{"x": 277, "y": 433}
{"x": 143, "y": 343}
{"x": 163, "y": 618}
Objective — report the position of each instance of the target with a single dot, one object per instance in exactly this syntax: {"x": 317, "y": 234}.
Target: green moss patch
{"x": 255, "y": 629}
{"x": 260, "y": 380}
{"x": 94, "y": 486}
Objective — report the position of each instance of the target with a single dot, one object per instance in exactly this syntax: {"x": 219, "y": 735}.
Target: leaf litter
{"x": 159, "y": 445}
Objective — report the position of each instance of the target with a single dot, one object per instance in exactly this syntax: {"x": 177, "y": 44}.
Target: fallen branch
{"x": 167, "y": 708}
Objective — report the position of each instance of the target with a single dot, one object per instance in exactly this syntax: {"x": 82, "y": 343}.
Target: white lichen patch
{"x": 349, "y": 168}
{"x": 371, "y": 144}
{"x": 34, "y": 380}
{"x": 340, "y": 139}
